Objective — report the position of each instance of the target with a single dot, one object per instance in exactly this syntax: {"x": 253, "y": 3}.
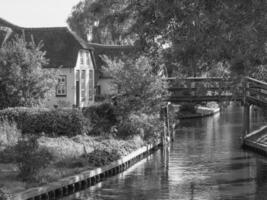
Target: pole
{"x": 246, "y": 121}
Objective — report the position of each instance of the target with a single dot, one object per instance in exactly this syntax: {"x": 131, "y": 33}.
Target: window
{"x": 81, "y": 58}
{"x": 87, "y": 58}
{"x": 61, "y": 89}
{"x": 77, "y": 75}
{"x": 91, "y": 85}
{"x": 83, "y": 85}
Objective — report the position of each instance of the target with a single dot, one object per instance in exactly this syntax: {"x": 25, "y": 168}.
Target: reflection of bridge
{"x": 196, "y": 89}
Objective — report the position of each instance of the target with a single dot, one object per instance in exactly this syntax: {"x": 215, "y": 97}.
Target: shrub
{"x": 52, "y": 122}
{"x": 30, "y": 158}
{"x": 9, "y": 133}
{"x": 101, "y": 157}
{"x": 101, "y": 116}
{"x": 146, "y": 126}
{"x": 127, "y": 129}
{"x": 8, "y": 155}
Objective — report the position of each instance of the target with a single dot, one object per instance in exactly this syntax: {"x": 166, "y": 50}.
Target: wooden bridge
{"x": 196, "y": 89}
{"x": 249, "y": 91}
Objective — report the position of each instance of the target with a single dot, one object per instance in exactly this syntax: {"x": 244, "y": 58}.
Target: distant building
{"x": 79, "y": 63}
{"x": 104, "y": 85}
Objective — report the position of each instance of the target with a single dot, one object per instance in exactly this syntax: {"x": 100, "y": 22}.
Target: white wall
{"x": 85, "y": 66}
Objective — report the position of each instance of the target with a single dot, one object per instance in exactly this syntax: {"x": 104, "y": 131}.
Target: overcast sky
{"x": 36, "y": 13}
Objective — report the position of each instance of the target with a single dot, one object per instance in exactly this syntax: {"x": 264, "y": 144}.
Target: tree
{"x": 139, "y": 88}
{"x": 140, "y": 96}
{"x": 23, "y": 80}
{"x": 198, "y": 33}
{"x": 86, "y": 15}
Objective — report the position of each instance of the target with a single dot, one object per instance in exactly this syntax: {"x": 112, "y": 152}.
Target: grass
{"x": 77, "y": 154}
{"x": 104, "y": 152}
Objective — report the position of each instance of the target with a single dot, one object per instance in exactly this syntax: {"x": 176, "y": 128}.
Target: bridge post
{"x": 246, "y": 120}
{"x": 170, "y": 121}
{"x": 163, "y": 116}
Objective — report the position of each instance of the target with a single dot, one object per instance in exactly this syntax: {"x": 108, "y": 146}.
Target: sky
{"x": 37, "y": 13}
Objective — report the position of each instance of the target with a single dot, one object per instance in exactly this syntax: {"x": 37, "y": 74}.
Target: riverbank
{"x": 70, "y": 156}
{"x": 86, "y": 178}
{"x": 257, "y": 141}
{"x": 40, "y": 146}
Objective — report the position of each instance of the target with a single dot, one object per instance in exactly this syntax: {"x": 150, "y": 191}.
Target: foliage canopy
{"x": 23, "y": 80}
{"x": 193, "y": 35}
{"x": 139, "y": 88}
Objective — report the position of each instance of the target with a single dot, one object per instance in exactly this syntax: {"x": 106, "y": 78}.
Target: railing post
{"x": 246, "y": 113}
{"x": 244, "y": 91}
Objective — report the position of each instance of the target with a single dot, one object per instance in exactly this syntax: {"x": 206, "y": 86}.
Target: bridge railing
{"x": 198, "y": 89}
{"x": 256, "y": 92}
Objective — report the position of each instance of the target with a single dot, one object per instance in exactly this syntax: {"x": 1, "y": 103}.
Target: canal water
{"x": 205, "y": 162}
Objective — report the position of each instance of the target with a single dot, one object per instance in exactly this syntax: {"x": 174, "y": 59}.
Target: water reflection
{"x": 205, "y": 162}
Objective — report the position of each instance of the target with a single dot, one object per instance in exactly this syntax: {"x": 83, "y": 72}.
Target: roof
{"x": 60, "y": 43}
{"x": 112, "y": 51}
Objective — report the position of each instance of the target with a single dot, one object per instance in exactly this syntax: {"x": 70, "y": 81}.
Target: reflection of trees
{"x": 258, "y": 117}
{"x": 261, "y": 180}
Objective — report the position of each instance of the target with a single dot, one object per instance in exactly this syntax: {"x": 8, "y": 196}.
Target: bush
{"x": 30, "y": 158}
{"x": 148, "y": 127}
{"x": 9, "y": 133}
{"x": 8, "y": 155}
{"x": 101, "y": 157}
{"x": 52, "y": 122}
{"x": 101, "y": 116}
{"x": 127, "y": 129}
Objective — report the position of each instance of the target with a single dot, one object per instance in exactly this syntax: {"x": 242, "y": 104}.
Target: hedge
{"x": 53, "y": 122}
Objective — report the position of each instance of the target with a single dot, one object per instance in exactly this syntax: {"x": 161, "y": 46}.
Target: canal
{"x": 205, "y": 162}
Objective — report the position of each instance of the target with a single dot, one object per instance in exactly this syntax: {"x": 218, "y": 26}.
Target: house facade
{"x": 69, "y": 54}
{"x": 76, "y": 85}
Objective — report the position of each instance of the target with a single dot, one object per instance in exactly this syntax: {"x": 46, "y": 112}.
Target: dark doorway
{"x": 77, "y": 93}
